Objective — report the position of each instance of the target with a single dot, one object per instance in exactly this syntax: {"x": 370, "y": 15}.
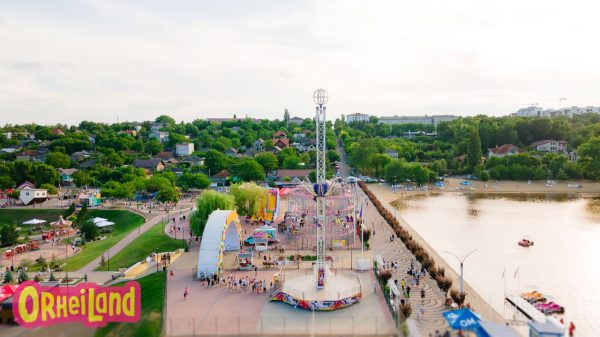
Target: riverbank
{"x": 385, "y": 195}
{"x": 590, "y": 188}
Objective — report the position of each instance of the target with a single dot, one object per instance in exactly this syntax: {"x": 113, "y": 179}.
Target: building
{"x": 153, "y": 164}
{"x": 89, "y": 198}
{"x": 221, "y": 120}
{"x": 536, "y": 111}
{"x": 184, "y": 149}
{"x": 356, "y": 117}
{"x": 504, "y": 150}
{"x": 433, "y": 120}
{"x": 161, "y": 136}
{"x": 231, "y": 152}
{"x": 531, "y": 111}
{"x": 279, "y": 134}
{"x": 292, "y": 174}
{"x": 392, "y": 153}
{"x": 259, "y": 145}
{"x": 79, "y": 155}
{"x": 193, "y": 160}
{"x": 550, "y": 146}
{"x": 296, "y": 120}
{"x": 155, "y": 127}
{"x": 57, "y": 132}
{"x": 415, "y": 134}
{"x": 220, "y": 179}
{"x": 281, "y": 142}
{"x": 66, "y": 176}
{"x": 29, "y": 194}
{"x": 33, "y": 155}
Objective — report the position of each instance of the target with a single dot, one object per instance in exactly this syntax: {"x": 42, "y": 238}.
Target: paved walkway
{"x": 434, "y": 302}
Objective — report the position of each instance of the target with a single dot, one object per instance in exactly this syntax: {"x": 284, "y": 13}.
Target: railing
{"x": 303, "y": 323}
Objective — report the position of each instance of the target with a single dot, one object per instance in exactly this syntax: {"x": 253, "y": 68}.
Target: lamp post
{"x": 462, "y": 289}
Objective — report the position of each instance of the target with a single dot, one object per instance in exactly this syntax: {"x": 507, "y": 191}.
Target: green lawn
{"x": 125, "y": 222}
{"x": 153, "y": 240}
{"x": 18, "y": 216}
{"x": 150, "y": 324}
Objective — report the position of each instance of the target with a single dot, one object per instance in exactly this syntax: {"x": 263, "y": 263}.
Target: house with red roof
{"x": 504, "y": 150}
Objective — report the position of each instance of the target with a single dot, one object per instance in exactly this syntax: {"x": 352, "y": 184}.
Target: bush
{"x": 406, "y": 310}
{"x": 22, "y": 276}
{"x": 457, "y": 297}
{"x": 8, "y": 277}
{"x": 444, "y": 283}
{"x": 384, "y": 276}
{"x": 52, "y": 278}
{"x": 38, "y": 278}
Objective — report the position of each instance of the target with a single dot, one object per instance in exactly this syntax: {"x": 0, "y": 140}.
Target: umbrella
{"x": 104, "y": 223}
{"x": 463, "y": 319}
{"x": 34, "y": 222}
{"x": 96, "y": 220}
{"x": 7, "y": 291}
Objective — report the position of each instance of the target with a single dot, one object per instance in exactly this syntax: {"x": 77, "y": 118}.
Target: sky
{"x": 103, "y": 60}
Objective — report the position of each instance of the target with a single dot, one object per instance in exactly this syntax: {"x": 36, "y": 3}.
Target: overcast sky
{"x": 66, "y": 61}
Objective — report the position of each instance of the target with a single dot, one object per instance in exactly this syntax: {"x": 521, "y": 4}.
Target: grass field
{"x": 125, "y": 222}
{"x": 150, "y": 323}
{"x": 18, "y": 216}
{"x": 153, "y": 240}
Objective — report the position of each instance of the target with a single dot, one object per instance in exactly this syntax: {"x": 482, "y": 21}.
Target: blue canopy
{"x": 466, "y": 183}
{"x": 439, "y": 183}
{"x": 464, "y": 319}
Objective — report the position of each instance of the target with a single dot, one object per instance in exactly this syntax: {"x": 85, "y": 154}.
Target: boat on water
{"x": 525, "y": 243}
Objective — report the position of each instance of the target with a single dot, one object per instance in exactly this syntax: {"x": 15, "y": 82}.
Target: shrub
{"x": 8, "y": 277}
{"x": 384, "y": 276}
{"x": 457, "y": 297}
{"x": 52, "y": 278}
{"x": 38, "y": 278}
{"x": 406, "y": 310}
{"x": 444, "y": 283}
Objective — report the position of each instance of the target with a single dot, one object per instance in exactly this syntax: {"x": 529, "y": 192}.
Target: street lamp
{"x": 462, "y": 289}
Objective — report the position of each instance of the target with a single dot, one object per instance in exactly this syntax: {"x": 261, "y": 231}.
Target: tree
{"x": 379, "y": 161}
{"x": 44, "y": 174}
{"x": 396, "y": 171}
{"x": 474, "y": 150}
{"x": 589, "y": 158}
{"x": 8, "y": 277}
{"x": 153, "y": 146}
{"x": 168, "y": 194}
{"x": 291, "y": 162}
{"x": 22, "y": 276}
{"x": 165, "y": 119}
{"x": 9, "y": 235}
{"x": 268, "y": 161}
{"x": 58, "y": 160}
{"x": 82, "y": 178}
{"x": 90, "y": 230}
{"x": 208, "y": 202}
{"x": 215, "y": 161}
{"x": 248, "y": 198}
{"x": 249, "y": 170}
{"x": 193, "y": 180}
{"x": 51, "y": 189}
{"x": 286, "y": 117}
{"x": 332, "y": 156}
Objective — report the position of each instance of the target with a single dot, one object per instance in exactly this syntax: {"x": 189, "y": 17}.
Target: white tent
{"x": 104, "y": 224}
{"x": 212, "y": 243}
{"x": 34, "y": 222}
{"x": 97, "y": 220}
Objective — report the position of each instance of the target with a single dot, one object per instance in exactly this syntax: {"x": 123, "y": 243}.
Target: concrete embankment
{"x": 473, "y": 298}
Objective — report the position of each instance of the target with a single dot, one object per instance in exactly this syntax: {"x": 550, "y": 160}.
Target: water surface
{"x": 563, "y": 263}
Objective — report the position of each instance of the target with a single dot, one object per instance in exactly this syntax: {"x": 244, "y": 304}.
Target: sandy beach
{"x": 588, "y": 187}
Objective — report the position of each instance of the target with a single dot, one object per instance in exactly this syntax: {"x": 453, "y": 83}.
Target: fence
{"x": 301, "y": 323}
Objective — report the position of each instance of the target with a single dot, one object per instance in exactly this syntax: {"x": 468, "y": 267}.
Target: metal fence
{"x": 297, "y": 325}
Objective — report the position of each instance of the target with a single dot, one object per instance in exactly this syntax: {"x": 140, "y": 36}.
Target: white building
{"x": 259, "y": 145}
{"x": 550, "y": 146}
{"x": 184, "y": 149}
{"x": 434, "y": 119}
{"x": 29, "y": 194}
{"x": 162, "y": 136}
{"x": 536, "y": 111}
{"x": 356, "y": 117}
{"x": 532, "y": 111}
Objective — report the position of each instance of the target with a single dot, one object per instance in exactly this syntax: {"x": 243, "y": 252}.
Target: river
{"x": 563, "y": 263}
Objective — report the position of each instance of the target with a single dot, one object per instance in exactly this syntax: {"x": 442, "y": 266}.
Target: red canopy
{"x": 7, "y": 291}
{"x": 284, "y": 191}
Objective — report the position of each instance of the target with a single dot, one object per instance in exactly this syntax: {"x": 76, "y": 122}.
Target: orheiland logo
{"x": 93, "y": 305}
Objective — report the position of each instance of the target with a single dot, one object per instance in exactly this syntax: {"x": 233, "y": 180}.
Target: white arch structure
{"x": 221, "y": 233}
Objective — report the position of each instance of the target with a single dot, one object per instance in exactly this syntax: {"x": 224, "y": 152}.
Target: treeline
{"x": 461, "y": 147}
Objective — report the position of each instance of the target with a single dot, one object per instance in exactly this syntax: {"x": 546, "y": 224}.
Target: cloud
{"x": 97, "y": 59}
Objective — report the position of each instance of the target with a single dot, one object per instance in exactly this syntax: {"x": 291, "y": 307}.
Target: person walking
{"x": 171, "y": 273}
{"x": 185, "y": 293}
{"x": 571, "y": 329}
{"x": 422, "y": 294}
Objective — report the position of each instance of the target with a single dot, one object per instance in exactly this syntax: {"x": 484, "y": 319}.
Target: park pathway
{"x": 151, "y": 220}
{"x": 434, "y": 303}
